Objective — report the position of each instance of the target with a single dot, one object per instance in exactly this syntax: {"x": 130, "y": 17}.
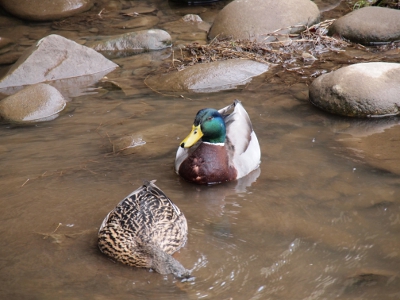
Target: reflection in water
{"x": 364, "y": 127}
{"x": 69, "y": 87}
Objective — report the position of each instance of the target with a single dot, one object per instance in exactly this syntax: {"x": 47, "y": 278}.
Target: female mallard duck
{"x": 144, "y": 230}
{"x": 228, "y": 150}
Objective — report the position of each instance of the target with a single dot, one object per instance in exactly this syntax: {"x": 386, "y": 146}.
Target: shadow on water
{"x": 320, "y": 218}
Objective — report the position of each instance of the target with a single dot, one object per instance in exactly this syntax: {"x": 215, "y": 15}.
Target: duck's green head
{"x": 208, "y": 126}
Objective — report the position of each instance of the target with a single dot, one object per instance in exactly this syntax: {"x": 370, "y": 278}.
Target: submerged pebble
{"x": 126, "y": 143}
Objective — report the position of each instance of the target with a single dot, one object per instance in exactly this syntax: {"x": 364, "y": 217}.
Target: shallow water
{"x": 316, "y": 221}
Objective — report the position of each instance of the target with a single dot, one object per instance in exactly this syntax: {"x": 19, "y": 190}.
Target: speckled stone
{"x": 153, "y": 39}
{"x": 44, "y": 10}
{"x": 55, "y": 57}
{"x": 210, "y": 77}
{"x": 369, "y": 25}
{"x": 359, "y": 90}
{"x": 252, "y": 19}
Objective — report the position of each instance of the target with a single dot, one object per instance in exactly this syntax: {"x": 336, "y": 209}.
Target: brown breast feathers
{"x": 208, "y": 164}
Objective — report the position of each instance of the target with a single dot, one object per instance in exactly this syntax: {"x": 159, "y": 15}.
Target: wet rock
{"x": 209, "y": 16}
{"x": 359, "y": 90}
{"x": 44, "y": 10}
{"x": 39, "y": 102}
{"x": 132, "y": 42}
{"x": 211, "y": 77}
{"x": 127, "y": 144}
{"x": 371, "y": 277}
{"x": 140, "y": 22}
{"x": 191, "y": 18}
{"x": 52, "y": 58}
{"x": 4, "y": 42}
{"x": 180, "y": 26}
{"x": 252, "y": 19}
{"x": 111, "y": 5}
{"x": 369, "y": 25}
{"x": 147, "y": 142}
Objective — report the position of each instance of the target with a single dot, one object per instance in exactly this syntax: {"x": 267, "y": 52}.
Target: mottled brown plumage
{"x": 144, "y": 230}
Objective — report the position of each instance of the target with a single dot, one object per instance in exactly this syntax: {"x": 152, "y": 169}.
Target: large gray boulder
{"x": 209, "y": 77}
{"x": 39, "y": 102}
{"x": 45, "y": 10}
{"x": 359, "y": 90}
{"x": 55, "y": 57}
{"x": 252, "y": 19}
{"x": 368, "y": 25}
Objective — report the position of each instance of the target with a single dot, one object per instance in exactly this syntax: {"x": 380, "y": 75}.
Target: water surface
{"x": 316, "y": 221}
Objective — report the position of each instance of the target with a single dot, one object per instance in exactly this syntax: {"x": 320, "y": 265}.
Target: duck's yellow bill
{"x": 193, "y": 137}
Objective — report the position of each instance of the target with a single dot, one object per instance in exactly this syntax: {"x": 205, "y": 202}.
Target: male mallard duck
{"x": 144, "y": 230}
{"x": 228, "y": 150}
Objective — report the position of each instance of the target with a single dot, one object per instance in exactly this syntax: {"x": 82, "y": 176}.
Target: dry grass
{"x": 284, "y": 50}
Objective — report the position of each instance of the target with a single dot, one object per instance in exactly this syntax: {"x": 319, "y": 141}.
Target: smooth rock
{"x": 191, "y": 18}
{"x": 359, "y": 90}
{"x": 146, "y": 142}
{"x": 209, "y": 77}
{"x": 127, "y": 143}
{"x": 153, "y": 39}
{"x": 55, "y": 57}
{"x": 39, "y": 102}
{"x": 369, "y": 25}
{"x": 45, "y": 10}
{"x": 252, "y": 19}
{"x": 4, "y": 42}
{"x": 112, "y": 5}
